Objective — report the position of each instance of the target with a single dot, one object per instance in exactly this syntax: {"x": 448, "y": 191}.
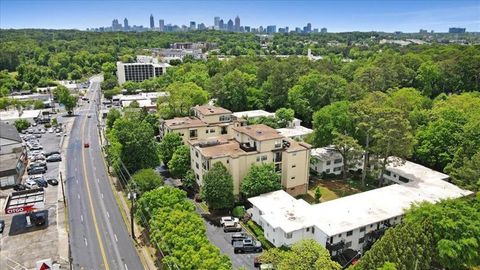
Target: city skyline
{"x": 389, "y": 16}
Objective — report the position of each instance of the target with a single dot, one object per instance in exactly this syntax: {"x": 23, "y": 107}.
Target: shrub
{"x": 238, "y": 211}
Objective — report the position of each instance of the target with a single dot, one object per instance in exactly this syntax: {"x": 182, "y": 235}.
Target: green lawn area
{"x": 327, "y": 194}
{"x": 332, "y": 189}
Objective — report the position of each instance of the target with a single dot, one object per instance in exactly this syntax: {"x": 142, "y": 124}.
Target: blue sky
{"x": 337, "y": 16}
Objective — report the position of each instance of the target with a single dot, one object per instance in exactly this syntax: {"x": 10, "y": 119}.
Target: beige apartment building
{"x": 243, "y": 146}
{"x": 206, "y": 122}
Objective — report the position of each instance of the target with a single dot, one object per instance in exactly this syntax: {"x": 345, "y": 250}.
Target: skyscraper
{"x": 271, "y": 29}
{"x": 193, "y": 25}
{"x": 237, "y": 24}
{"x": 221, "y": 25}
{"x": 152, "y": 22}
{"x": 230, "y": 25}
{"x": 216, "y": 22}
{"x": 161, "y": 25}
{"x": 323, "y": 30}
{"x": 125, "y": 24}
{"x": 309, "y": 28}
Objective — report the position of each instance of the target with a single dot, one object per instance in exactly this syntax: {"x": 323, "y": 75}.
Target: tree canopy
{"x": 260, "y": 179}
{"x": 217, "y": 189}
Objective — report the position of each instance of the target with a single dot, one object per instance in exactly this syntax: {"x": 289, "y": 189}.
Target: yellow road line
{"x": 99, "y": 238}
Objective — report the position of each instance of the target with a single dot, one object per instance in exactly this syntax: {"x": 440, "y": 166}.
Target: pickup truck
{"x": 230, "y": 226}
{"x": 247, "y": 245}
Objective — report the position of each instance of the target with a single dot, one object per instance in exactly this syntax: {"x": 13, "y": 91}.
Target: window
{"x": 336, "y": 169}
{"x": 403, "y": 179}
{"x": 361, "y": 240}
{"x": 196, "y": 153}
{"x": 273, "y": 229}
{"x": 288, "y": 235}
{"x": 206, "y": 131}
{"x": 196, "y": 175}
{"x": 224, "y": 118}
{"x": 362, "y": 229}
{"x": 294, "y": 154}
{"x": 327, "y": 170}
{"x": 308, "y": 229}
{"x": 329, "y": 162}
{"x": 264, "y": 157}
{"x": 331, "y": 240}
{"x": 212, "y": 130}
{"x": 258, "y": 159}
{"x": 293, "y": 166}
{"x": 348, "y": 244}
{"x": 196, "y": 165}
{"x": 387, "y": 173}
{"x": 313, "y": 230}
{"x": 340, "y": 235}
{"x": 293, "y": 177}
{"x": 228, "y": 161}
{"x": 338, "y": 160}
{"x": 349, "y": 233}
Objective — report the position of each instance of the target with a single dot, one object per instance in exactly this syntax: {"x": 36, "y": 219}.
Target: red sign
{"x": 44, "y": 267}
{"x": 20, "y": 209}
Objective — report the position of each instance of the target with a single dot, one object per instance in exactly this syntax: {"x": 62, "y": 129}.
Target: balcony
{"x": 247, "y": 147}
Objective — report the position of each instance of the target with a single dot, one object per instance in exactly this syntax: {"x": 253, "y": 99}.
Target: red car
{"x": 86, "y": 145}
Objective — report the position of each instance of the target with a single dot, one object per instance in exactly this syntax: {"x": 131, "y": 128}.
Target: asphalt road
{"x": 98, "y": 236}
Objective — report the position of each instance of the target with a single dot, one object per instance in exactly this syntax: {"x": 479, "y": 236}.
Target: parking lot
{"x": 21, "y": 251}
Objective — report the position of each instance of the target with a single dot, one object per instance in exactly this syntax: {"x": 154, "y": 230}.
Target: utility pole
{"x": 132, "y": 196}
{"x": 63, "y": 190}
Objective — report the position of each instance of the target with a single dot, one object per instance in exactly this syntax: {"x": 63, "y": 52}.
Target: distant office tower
{"x": 456, "y": 30}
{"x": 298, "y": 29}
{"x": 287, "y": 29}
{"x": 423, "y": 31}
{"x": 116, "y": 26}
{"x": 201, "y": 26}
{"x": 216, "y": 22}
{"x": 193, "y": 25}
{"x": 161, "y": 25}
{"x": 221, "y": 25}
{"x": 125, "y": 24}
{"x": 323, "y": 30}
{"x": 230, "y": 25}
{"x": 309, "y": 27}
{"x": 247, "y": 29}
{"x": 271, "y": 29}
{"x": 237, "y": 24}
{"x": 260, "y": 29}
{"x": 152, "y": 22}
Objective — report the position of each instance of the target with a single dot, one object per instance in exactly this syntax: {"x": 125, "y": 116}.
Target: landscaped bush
{"x": 238, "y": 211}
{"x": 258, "y": 232}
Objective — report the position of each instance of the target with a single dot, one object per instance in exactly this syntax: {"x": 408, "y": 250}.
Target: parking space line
{"x": 116, "y": 239}
{"x": 108, "y": 215}
{"x": 85, "y": 239}
{"x": 78, "y": 195}
{"x": 81, "y": 218}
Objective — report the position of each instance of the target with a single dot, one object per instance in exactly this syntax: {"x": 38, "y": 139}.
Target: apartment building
{"x": 352, "y": 222}
{"x": 327, "y": 160}
{"x": 206, "y": 122}
{"x": 255, "y": 144}
{"x": 138, "y": 72}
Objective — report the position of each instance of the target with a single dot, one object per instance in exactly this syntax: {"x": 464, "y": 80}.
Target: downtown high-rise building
{"x": 230, "y": 25}
{"x": 161, "y": 25}
{"x": 237, "y": 24}
{"x": 125, "y": 24}
{"x": 152, "y": 22}
{"x": 221, "y": 25}
{"x": 271, "y": 29}
{"x": 216, "y": 22}
{"x": 193, "y": 25}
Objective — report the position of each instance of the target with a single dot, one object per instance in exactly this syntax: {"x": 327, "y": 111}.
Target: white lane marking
{"x": 76, "y": 180}
{"x": 108, "y": 215}
{"x": 78, "y": 195}
{"x": 81, "y": 218}
{"x": 116, "y": 239}
{"x": 98, "y": 180}
{"x": 102, "y": 195}
{"x": 126, "y": 268}
{"x": 85, "y": 239}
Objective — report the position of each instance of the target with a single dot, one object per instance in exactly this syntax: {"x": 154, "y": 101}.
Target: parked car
{"x": 40, "y": 163}
{"x": 37, "y": 158}
{"x": 58, "y": 134}
{"x": 239, "y": 237}
{"x": 52, "y": 181}
{"x": 225, "y": 219}
{"x": 230, "y": 226}
{"x": 41, "y": 182}
{"x": 86, "y": 145}
{"x": 50, "y": 130}
{"x": 36, "y": 147}
{"x": 29, "y": 184}
{"x": 37, "y": 170}
{"x": 54, "y": 158}
{"x": 19, "y": 187}
{"x": 52, "y": 153}
{"x": 2, "y": 226}
{"x": 247, "y": 245}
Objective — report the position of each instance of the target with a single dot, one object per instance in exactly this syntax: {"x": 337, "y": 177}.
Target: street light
{"x": 132, "y": 196}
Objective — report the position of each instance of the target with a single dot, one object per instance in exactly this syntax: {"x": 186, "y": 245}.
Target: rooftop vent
{"x": 259, "y": 132}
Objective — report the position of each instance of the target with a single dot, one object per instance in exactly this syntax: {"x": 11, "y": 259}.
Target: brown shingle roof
{"x": 184, "y": 122}
{"x": 259, "y": 132}
{"x": 211, "y": 110}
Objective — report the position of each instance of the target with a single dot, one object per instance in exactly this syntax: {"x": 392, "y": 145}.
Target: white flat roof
{"x": 141, "y": 102}
{"x": 282, "y": 210}
{"x": 294, "y": 131}
{"x": 325, "y": 153}
{"x": 253, "y": 114}
{"x": 358, "y": 210}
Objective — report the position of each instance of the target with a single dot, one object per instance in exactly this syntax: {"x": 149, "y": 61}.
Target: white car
{"x": 228, "y": 219}
{"x": 50, "y": 130}
{"x": 31, "y": 184}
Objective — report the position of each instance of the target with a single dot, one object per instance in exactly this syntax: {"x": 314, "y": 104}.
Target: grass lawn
{"x": 332, "y": 189}
{"x": 327, "y": 194}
